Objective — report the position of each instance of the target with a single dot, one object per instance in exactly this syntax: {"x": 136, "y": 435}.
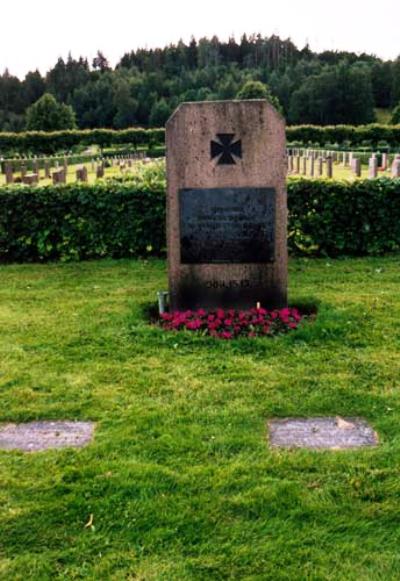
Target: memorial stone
{"x": 59, "y": 176}
{"x": 396, "y": 168}
{"x": 100, "y": 171}
{"x": 82, "y": 174}
{"x": 30, "y": 178}
{"x": 329, "y": 167}
{"x": 373, "y": 167}
{"x": 356, "y": 166}
{"x": 9, "y": 173}
{"x": 226, "y": 205}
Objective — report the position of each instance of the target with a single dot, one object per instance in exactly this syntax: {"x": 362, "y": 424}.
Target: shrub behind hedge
{"x": 124, "y": 219}
{"x": 40, "y": 142}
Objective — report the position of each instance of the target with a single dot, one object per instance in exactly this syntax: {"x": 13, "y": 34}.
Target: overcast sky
{"x": 34, "y": 33}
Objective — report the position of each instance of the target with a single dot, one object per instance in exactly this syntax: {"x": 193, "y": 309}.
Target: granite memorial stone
{"x": 226, "y": 205}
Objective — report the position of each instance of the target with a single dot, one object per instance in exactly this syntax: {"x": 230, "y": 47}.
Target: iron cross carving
{"x": 226, "y": 149}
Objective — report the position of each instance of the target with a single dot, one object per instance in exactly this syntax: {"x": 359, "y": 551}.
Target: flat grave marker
{"x": 45, "y": 435}
{"x": 333, "y": 433}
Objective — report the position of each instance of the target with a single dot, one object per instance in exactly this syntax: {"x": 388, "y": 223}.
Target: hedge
{"x": 122, "y": 219}
{"x": 76, "y": 222}
{"x": 39, "y": 142}
{"x": 373, "y": 135}
{"x": 344, "y": 218}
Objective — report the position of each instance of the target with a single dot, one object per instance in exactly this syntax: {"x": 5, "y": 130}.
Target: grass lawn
{"x": 179, "y": 479}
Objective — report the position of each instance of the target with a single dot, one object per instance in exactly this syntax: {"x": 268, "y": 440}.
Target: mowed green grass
{"x": 179, "y": 479}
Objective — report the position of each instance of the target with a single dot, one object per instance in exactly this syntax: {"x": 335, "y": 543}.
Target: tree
{"x": 159, "y": 113}
{"x": 49, "y": 115}
{"x": 396, "y": 115}
{"x": 94, "y": 103}
{"x": 258, "y": 90}
{"x": 34, "y": 87}
{"x": 100, "y": 62}
{"x": 126, "y": 106}
{"x": 339, "y": 94}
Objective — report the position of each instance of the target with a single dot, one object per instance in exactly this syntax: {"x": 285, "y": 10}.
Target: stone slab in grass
{"x": 36, "y": 436}
{"x": 333, "y": 433}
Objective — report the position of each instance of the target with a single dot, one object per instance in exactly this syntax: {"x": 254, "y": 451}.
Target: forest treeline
{"x": 330, "y": 87}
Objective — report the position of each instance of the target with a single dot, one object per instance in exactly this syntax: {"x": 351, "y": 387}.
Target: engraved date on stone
{"x": 216, "y": 284}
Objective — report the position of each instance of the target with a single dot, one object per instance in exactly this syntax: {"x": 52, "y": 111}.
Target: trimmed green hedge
{"x": 122, "y": 219}
{"x": 344, "y": 218}
{"x": 354, "y": 136}
{"x": 77, "y": 222}
{"x": 39, "y": 142}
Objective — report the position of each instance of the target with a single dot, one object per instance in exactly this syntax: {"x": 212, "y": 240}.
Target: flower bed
{"x": 232, "y": 323}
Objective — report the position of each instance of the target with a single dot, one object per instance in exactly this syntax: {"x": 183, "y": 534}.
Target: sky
{"x": 34, "y": 33}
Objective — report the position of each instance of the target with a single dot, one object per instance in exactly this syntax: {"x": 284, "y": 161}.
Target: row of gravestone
{"x": 312, "y": 165}
{"x": 59, "y": 174}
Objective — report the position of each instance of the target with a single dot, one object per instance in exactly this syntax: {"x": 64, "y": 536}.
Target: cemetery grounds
{"x": 179, "y": 482}
{"x": 117, "y": 166}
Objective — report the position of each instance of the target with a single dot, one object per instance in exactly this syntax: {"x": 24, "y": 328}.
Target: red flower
{"x": 226, "y": 335}
{"x": 166, "y": 316}
{"x": 193, "y": 325}
{"x": 231, "y": 323}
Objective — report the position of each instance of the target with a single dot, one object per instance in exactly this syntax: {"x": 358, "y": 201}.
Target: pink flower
{"x": 220, "y": 313}
{"x": 227, "y": 324}
{"x": 166, "y": 316}
{"x": 193, "y": 325}
{"x": 296, "y": 315}
{"x": 226, "y": 335}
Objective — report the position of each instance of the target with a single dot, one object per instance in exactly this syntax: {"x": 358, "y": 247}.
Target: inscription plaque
{"x": 227, "y": 225}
